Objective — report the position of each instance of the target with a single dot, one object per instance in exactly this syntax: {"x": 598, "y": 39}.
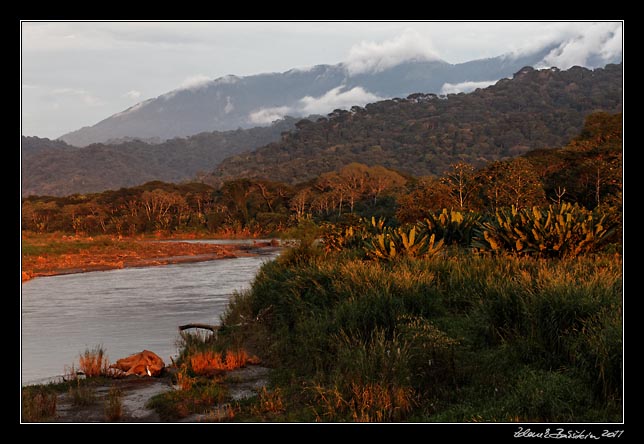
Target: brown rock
{"x": 145, "y": 363}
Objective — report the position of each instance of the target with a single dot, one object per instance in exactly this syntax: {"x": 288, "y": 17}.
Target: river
{"x": 125, "y": 311}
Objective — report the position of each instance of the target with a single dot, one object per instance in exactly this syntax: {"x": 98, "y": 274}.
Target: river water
{"x": 125, "y": 311}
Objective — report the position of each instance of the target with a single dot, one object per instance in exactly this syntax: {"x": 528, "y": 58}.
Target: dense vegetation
{"x": 425, "y": 134}
{"x": 457, "y": 337}
{"x": 586, "y": 172}
{"x": 482, "y": 294}
{"x": 509, "y": 313}
{"x": 55, "y": 168}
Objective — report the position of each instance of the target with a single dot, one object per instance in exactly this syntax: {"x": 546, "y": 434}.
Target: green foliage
{"x": 424, "y": 135}
{"x": 396, "y": 242}
{"x": 51, "y": 167}
{"x": 559, "y": 231}
{"x": 452, "y": 227}
{"x": 459, "y": 337}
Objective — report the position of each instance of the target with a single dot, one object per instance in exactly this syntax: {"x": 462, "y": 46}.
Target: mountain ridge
{"x": 56, "y": 168}
{"x": 232, "y": 102}
{"x": 424, "y": 133}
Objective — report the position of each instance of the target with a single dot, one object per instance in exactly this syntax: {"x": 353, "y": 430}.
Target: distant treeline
{"x": 587, "y": 171}
{"x": 425, "y": 134}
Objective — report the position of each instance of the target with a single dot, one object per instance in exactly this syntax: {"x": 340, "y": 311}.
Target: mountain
{"x": 424, "y": 134}
{"x": 233, "y": 102}
{"x": 57, "y": 169}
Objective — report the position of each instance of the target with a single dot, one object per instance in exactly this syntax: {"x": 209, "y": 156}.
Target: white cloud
{"x": 455, "y": 88}
{"x": 613, "y": 45}
{"x": 229, "y": 106}
{"x": 332, "y": 99}
{"x": 336, "y": 99}
{"x": 590, "y": 45}
{"x": 132, "y": 94}
{"x": 265, "y": 116}
{"x": 375, "y": 57}
{"x": 195, "y": 82}
{"x": 601, "y": 40}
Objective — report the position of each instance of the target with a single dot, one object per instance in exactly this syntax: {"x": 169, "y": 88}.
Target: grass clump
{"x": 114, "y": 405}
{"x": 94, "y": 362}
{"x": 38, "y": 403}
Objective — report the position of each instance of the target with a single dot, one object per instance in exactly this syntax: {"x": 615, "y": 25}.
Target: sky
{"x": 75, "y": 74}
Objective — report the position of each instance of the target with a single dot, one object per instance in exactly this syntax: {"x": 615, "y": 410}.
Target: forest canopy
{"x": 586, "y": 171}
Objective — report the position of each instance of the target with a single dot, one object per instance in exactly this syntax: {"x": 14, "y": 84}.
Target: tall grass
{"x": 445, "y": 331}
{"x": 114, "y": 404}
{"x": 38, "y": 403}
{"x": 94, "y": 362}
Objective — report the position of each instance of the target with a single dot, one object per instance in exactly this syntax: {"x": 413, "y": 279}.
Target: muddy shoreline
{"x": 136, "y": 391}
{"x": 132, "y": 253}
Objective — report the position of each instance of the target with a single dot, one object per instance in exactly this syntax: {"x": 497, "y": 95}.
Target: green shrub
{"x": 451, "y": 226}
{"x": 559, "y": 231}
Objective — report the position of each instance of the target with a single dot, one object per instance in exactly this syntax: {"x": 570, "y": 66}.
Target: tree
{"x": 353, "y": 179}
{"x": 381, "y": 179}
{"x": 430, "y": 195}
{"x": 514, "y": 182}
{"x": 460, "y": 183}
{"x": 300, "y": 201}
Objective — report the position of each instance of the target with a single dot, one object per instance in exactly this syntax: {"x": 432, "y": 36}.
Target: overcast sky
{"x": 75, "y": 74}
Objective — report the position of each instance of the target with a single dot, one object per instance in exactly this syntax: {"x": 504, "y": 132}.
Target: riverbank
{"x": 88, "y": 401}
{"x": 55, "y": 254}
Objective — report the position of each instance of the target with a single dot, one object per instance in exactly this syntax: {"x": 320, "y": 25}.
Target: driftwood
{"x": 215, "y": 328}
{"x": 212, "y": 328}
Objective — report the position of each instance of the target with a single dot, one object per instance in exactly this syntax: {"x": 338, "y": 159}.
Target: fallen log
{"x": 212, "y": 328}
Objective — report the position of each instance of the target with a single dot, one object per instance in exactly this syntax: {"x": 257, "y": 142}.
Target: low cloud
{"x": 371, "y": 57}
{"x": 132, "y": 94}
{"x": 195, "y": 82}
{"x": 465, "y": 87}
{"x": 229, "y": 106}
{"x": 266, "y": 116}
{"x": 600, "y": 43}
{"x": 590, "y": 45}
{"x": 336, "y": 99}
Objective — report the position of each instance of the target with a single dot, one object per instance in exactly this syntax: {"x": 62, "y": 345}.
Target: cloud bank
{"x": 194, "y": 82}
{"x": 335, "y": 98}
{"x": 370, "y": 57}
{"x": 265, "y": 116}
{"x": 133, "y": 94}
{"x": 592, "y": 47}
{"x": 465, "y": 87}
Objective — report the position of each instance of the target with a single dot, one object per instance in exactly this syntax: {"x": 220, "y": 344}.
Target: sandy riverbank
{"x": 48, "y": 255}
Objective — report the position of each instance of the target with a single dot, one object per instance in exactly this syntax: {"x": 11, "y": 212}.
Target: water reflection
{"x": 125, "y": 310}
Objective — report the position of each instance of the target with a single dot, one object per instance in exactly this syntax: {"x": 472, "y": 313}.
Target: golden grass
{"x": 268, "y": 402}
{"x": 38, "y": 404}
{"x": 114, "y": 404}
{"x": 207, "y": 362}
{"x": 94, "y": 362}
{"x": 371, "y": 402}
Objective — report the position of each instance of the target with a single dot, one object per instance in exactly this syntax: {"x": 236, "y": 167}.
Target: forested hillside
{"x": 587, "y": 171}
{"x": 52, "y": 167}
{"x": 424, "y": 134}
